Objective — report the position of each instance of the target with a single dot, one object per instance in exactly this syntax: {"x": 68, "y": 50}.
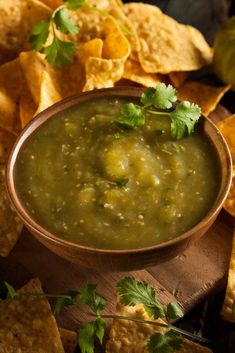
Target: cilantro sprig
{"x": 159, "y": 101}
{"x": 58, "y": 52}
{"x": 131, "y": 292}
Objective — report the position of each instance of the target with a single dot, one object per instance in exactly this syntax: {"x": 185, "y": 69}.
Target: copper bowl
{"x": 120, "y": 260}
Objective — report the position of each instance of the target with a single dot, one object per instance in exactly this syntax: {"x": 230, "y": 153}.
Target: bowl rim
{"x": 125, "y": 91}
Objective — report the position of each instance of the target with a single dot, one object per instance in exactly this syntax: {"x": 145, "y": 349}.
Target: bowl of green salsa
{"x": 115, "y": 179}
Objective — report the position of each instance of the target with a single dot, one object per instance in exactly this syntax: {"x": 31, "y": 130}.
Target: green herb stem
{"x": 153, "y": 323}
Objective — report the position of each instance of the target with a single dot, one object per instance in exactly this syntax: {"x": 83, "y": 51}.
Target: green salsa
{"x": 88, "y": 181}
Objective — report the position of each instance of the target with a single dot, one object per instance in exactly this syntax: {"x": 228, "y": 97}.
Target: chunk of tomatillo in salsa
{"x": 90, "y": 182}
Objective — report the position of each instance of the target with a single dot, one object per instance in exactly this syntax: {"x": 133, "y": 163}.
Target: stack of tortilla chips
{"x": 119, "y": 44}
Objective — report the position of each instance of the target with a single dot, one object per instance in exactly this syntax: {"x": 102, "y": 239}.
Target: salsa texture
{"x": 91, "y": 182}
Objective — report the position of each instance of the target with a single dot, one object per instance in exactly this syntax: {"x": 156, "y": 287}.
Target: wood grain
{"x": 188, "y": 278}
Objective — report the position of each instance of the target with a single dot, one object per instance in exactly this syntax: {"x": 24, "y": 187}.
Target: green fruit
{"x": 224, "y": 53}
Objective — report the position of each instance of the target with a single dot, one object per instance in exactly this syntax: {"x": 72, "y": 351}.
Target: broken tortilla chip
{"x": 207, "y": 97}
{"x": 131, "y": 337}
{"x": 11, "y": 226}
{"x": 229, "y": 301}
{"x": 17, "y": 20}
{"x": 27, "y": 324}
{"x": 166, "y": 45}
{"x": 134, "y": 72}
{"x": 229, "y": 204}
{"x": 69, "y": 340}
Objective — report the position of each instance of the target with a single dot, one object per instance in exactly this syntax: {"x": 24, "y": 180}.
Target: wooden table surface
{"x": 189, "y": 278}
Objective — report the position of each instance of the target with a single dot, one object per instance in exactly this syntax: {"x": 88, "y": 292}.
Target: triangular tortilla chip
{"x": 166, "y": 45}
{"x": 27, "y": 324}
{"x": 207, "y": 97}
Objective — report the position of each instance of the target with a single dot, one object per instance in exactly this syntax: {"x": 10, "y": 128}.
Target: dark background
{"x": 208, "y": 16}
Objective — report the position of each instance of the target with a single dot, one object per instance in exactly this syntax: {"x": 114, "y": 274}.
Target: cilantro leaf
{"x": 89, "y": 297}
{"x": 67, "y": 298}
{"x": 168, "y": 342}
{"x": 100, "y": 326}
{"x": 59, "y": 52}
{"x": 75, "y": 4}
{"x": 160, "y": 97}
{"x": 65, "y": 24}
{"x": 121, "y": 182}
{"x": 133, "y": 292}
{"x": 88, "y": 332}
{"x": 173, "y": 311}
{"x": 11, "y": 292}
{"x": 39, "y": 35}
{"x": 183, "y": 119}
{"x": 131, "y": 116}
{"x": 86, "y": 337}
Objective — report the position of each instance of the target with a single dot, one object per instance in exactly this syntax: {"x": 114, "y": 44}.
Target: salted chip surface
{"x": 131, "y": 337}
{"x": 17, "y": 20}
{"x": 207, "y": 97}
{"x": 134, "y": 72}
{"x": 230, "y": 290}
{"x": 52, "y": 3}
{"x": 27, "y": 324}
{"x": 69, "y": 340}
{"x": 165, "y": 44}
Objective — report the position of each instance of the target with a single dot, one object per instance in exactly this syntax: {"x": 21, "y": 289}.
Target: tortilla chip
{"x": 116, "y": 45}
{"x": 52, "y": 3}
{"x": 48, "y": 93}
{"x": 178, "y": 78}
{"x": 69, "y": 340}
{"x": 229, "y": 204}
{"x": 207, "y": 97}
{"x": 93, "y": 48}
{"x": 33, "y": 65}
{"x": 11, "y": 225}
{"x": 17, "y": 20}
{"x": 126, "y": 27}
{"x": 230, "y": 290}
{"x": 27, "y": 324}
{"x": 134, "y": 72}
{"x": 166, "y": 45}
{"x": 27, "y": 106}
{"x": 103, "y": 73}
{"x": 6, "y": 142}
{"x": 131, "y": 337}
{"x": 227, "y": 127}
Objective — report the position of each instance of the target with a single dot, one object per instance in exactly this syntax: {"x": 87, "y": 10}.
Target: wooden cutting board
{"x": 189, "y": 278}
